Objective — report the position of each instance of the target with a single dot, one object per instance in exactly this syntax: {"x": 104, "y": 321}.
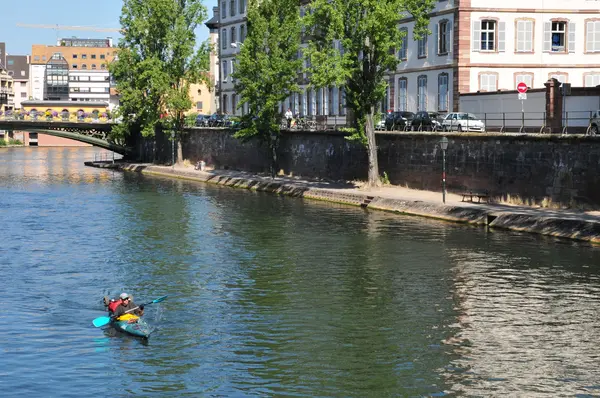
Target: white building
{"x": 475, "y": 45}
{"x": 89, "y": 85}
{"x": 484, "y": 45}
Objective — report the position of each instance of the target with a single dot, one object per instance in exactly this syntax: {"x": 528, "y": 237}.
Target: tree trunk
{"x": 374, "y": 180}
{"x": 179, "y": 157}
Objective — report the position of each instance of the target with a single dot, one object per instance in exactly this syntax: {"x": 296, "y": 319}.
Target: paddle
{"x": 105, "y": 320}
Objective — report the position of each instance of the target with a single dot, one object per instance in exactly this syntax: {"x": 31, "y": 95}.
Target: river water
{"x": 276, "y": 296}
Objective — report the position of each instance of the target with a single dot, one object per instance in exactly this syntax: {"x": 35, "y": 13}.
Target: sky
{"x": 91, "y": 13}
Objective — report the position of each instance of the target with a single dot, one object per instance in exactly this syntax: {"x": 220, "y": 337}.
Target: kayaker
{"x": 126, "y": 306}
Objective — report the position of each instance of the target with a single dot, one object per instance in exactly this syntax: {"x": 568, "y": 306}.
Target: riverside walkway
{"x": 571, "y": 224}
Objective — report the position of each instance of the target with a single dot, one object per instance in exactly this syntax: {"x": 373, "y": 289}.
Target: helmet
{"x": 124, "y": 296}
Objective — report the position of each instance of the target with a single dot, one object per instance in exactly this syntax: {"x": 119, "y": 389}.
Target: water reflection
{"x": 278, "y": 296}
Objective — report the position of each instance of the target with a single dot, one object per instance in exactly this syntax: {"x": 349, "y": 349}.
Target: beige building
{"x": 203, "y": 99}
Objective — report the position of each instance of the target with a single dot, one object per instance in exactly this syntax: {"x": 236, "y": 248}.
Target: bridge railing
{"x": 71, "y": 118}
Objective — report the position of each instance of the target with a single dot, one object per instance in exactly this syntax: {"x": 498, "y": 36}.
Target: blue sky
{"x": 103, "y": 14}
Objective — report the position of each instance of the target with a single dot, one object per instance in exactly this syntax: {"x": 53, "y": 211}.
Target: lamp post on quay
{"x": 173, "y": 149}
{"x": 444, "y": 146}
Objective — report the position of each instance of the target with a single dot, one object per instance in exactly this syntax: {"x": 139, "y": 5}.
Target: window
{"x": 488, "y": 82}
{"x": 36, "y": 57}
{"x": 443, "y": 92}
{"x": 422, "y": 47}
{"x": 225, "y": 100}
{"x": 199, "y": 106}
{"x": 422, "y": 93}
{"x": 10, "y": 62}
{"x": 83, "y": 56}
{"x": 443, "y": 37}
{"x": 558, "y": 36}
{"x": 242, "y": 5}
{"x": 524, "y": 39}
{"x": 23, "y": 84}
{"x": 242, "y": 33}
{"x": 591, "y": 80}
{"x": 488, "y": 35}
{"x": 402, "y": 94}
{"x": 560, "y": 76}
{"x": 23, "y": 95}
{"x": 11, "y": 73}
{"x": 233, "y": 35}
{"x": 74, "y": 66}
{"x": 102, "y": 56}
{"x": 83, "y": 66}
{"x": 225, "y": 74}
{"x": 402, "y": 54}
{"x": 524, "y": 77}
{"x": 223, "y": 9}
{"x": 232, "y": 10}
{"x": 592, "y": 36}
{"x": 224, "y": 39}
{"x": 103, "y": 66}
{"x": 93, "y": 56}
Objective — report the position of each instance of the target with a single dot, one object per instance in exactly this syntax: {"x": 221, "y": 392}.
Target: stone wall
{"x": 564, "y": 168}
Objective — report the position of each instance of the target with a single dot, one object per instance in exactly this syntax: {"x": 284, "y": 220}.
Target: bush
{"x": 14, "y": 142}
{"x": 190, "y": 119}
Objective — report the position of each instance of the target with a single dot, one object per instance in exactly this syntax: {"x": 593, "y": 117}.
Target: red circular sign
{"x": 522, "y": 87}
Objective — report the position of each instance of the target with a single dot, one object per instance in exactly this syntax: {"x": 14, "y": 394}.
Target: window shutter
{"x": 589, "y": 36}
{"x": 476, "y": 36}
{"x": 501, "y": 37}
{"x": 450, "y": 42}
{"x": 436, "y": 34}
{"x": 547, "y": 37}
{"x": 572, "y": 29}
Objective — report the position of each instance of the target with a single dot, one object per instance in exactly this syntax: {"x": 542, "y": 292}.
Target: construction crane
{"x": 58, "y": 28}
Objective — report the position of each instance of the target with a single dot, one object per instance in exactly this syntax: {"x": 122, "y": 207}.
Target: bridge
{"x": 96, "y": 133}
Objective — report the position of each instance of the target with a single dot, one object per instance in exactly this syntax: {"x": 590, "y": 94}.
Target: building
{"x": 232, "y": 32}
{"x": 485, "y": 46}
{"x": 214, "y": 68}
{"x": 203, "y": 99}
{"x": 58, "y": 72}
{"x": 18, "y": 68}
{"x": 7, "y": 94}
{"x": 475, "y": 45}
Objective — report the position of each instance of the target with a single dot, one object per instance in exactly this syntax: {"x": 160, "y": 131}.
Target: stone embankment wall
{"x": 565, "y": 169}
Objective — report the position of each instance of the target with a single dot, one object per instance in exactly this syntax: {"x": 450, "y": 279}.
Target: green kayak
{"x": 138, "y": 328}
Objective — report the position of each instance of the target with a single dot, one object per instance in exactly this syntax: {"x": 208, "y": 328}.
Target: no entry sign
{"x": 522, "y": 87}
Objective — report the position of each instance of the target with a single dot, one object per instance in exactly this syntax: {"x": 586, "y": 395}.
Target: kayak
{"x": 133, "y": 325}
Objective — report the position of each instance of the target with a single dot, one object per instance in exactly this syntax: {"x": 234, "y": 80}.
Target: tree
{"x": 156, "y": 63}
{"x": 268, "y": 66}
{"x": 353, "y": 44}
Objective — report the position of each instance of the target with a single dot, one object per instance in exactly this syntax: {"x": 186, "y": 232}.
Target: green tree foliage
{"x": 268, "y": 66}
{"x": 352, "y": 45}
{"x": 157, "y": 61}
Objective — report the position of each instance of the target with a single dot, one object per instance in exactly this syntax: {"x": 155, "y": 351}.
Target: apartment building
{"x": 7, "y": 95}
{"x": 18, "y": 68}
{"x": 232, "y": 32}
{"x": 82, "y": 63}
{"x": 483, "y": 45}
{"x": 475, "y": 45}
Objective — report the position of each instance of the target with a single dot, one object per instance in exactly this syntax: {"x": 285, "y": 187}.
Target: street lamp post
{"x": 444, "y": 146}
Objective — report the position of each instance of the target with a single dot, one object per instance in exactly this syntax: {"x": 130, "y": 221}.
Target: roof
{"x": 214, "y": 22}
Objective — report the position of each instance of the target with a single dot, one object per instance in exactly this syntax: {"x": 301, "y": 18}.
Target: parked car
{"x": 202, "y": 120}
{"x": 426, "y": 121}
{"x": 380, "y": 125}
{"x": 462, "y": 121}
{"x": 594, "y": 123}
{"x": 218, "y": 120}
{"x": 398, "y": 120}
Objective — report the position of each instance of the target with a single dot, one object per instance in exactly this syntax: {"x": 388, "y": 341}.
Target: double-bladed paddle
{"x": 105, "y": 320}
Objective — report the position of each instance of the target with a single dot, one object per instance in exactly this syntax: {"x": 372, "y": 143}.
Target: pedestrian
{"x": 289, "y": 116}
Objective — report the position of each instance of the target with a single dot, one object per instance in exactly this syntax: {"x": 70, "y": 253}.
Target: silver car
{"x": 462, "y": 121}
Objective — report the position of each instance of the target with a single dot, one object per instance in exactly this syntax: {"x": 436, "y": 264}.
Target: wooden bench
{"x": 485, "y": 195}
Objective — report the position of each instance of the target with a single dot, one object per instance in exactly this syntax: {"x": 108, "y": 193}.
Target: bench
{"x": 485, "y": 195}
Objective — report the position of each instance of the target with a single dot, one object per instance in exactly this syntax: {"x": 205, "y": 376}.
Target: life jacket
{"x": 112, "y": 307}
